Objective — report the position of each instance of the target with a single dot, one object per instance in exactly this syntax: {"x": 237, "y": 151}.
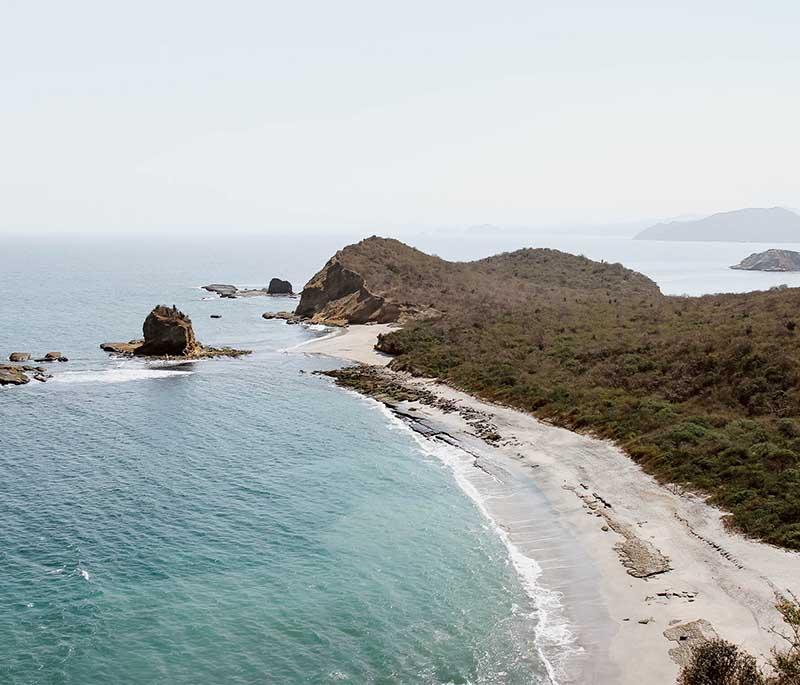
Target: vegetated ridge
{"x": 701, "y": 391}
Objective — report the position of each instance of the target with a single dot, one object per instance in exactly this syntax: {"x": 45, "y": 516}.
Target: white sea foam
{"x": 315, "y": 327}
{"x": 554, "y": 639}
{"x": 83, "y": 573}
{"x": 118, "y": 375}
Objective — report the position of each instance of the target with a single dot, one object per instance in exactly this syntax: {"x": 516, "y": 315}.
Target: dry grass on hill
{"x": 700, "y": 391}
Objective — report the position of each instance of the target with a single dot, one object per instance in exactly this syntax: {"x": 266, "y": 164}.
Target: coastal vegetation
{"x": 719, "y": 662}
{"x": 701, "y": 391}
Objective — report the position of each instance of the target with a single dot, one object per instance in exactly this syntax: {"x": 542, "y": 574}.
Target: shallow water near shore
{"x": 231, "y": 520}
{"x": 242, "y": 520}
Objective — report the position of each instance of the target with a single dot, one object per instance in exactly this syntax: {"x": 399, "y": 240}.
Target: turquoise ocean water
{"x": 244, "y": 521}
{"x": 226, "y": 521}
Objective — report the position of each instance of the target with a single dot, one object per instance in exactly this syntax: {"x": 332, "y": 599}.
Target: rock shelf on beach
{"x": 168, "y": 334}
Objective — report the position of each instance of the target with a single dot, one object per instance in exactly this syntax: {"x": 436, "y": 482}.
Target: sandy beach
{"x": 639, "y": 570}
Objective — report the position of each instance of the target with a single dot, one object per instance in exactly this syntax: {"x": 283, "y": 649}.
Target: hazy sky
{"x": 265, "y": 116}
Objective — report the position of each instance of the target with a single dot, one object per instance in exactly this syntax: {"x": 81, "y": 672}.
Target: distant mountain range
{"x": 773, "y": 225}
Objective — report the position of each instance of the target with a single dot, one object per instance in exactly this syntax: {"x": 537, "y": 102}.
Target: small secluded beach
{"x": 638, "y": 568}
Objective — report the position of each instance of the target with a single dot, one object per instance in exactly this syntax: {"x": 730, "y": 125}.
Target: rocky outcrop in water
{"x": 288, "y": 317}
{"x": 19, "y": 356}
{"x": 771, "y": 260}
{"x": 20, "y": 375}
{"x": 279, "y": 287}
{"x": 168, "y": 333}
{"x": 52, "y": 357}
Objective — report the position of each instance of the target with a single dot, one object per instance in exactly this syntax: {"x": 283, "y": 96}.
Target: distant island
{"x": 773, "y": 225}
{"x": 771, "y": 260}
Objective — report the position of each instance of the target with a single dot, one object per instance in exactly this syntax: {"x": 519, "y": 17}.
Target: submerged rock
{"x": 279, "y": 287}
{"x": 168, "y": 333}
{"x": 771, "y": 260}
{"x": 216, "y": 316}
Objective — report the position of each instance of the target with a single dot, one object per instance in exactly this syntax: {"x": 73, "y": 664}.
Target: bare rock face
{"x": 337, "y": 295}
{"x": 278, "y": 287}
{"x": 771, "y": 260}
{"x": 168, "y": 332}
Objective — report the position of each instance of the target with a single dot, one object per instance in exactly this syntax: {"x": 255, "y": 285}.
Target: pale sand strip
{"x": 589, "y": 484}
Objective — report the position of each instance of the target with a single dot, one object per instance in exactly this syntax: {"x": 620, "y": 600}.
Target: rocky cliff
{"x": 338, "y": 295}
{"x": 771, "y": 260}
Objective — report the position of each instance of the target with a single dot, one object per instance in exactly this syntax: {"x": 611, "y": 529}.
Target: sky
{"x": 273, "y": 117}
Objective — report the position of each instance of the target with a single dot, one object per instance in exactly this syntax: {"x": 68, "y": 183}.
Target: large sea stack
{"x": 279, "y": 287}
{"x": 168, "y": 332}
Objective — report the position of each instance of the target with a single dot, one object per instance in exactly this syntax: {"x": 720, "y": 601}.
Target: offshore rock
{"x": 19, "y": 356}
{"x": 168, "y": 333}
{"x": 53, "y": 357}
{"x": 771, "y": 260}
{"x": 279, "y": 287}
{"x": 12, "y": 375}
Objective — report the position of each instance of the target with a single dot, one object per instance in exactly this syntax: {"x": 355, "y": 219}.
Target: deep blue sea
{"x": 225, "y": 521}
{"x": 243, "y": 520}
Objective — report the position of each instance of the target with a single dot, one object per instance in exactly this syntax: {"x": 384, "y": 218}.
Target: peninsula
{"x": 697, "y": 392}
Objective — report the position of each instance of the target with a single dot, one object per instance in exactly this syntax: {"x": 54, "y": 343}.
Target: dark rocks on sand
{"x": 19, "y": 356}
{"x": 279, "y": 287}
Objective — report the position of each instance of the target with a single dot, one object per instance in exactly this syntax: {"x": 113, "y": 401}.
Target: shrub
{"x": 718, "y": 662}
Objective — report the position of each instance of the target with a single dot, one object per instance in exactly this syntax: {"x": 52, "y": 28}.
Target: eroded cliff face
{"x": 337, "y": 295}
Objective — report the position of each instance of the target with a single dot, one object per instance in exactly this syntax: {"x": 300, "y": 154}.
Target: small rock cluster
{"x": 19, "y": 373}
{"x": 276, "y": 286}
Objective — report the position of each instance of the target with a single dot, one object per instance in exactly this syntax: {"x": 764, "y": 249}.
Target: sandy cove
{"x": 642, "y": 569}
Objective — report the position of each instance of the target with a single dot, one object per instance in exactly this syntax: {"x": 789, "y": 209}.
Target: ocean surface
{"x": 243, "y": 520}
